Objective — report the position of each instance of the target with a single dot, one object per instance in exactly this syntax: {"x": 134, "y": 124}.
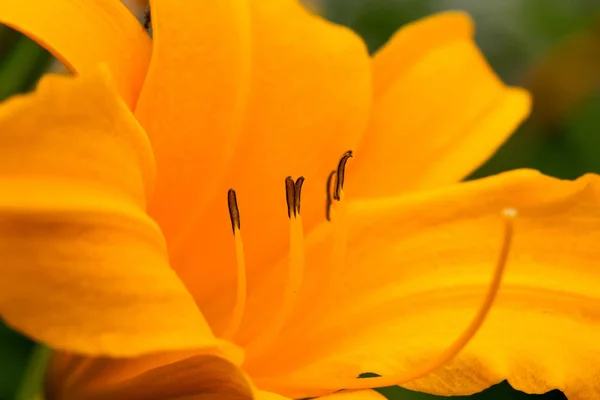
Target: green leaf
{"x": 21, "y": 67}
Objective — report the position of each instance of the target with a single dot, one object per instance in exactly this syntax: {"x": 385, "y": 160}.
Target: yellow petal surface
{"x": 193, "y": 101}
{"x": 201, "y": 377}
{"x": 82, "y": 34}
{"x": 309, "y": 102}
{"x": 439, "y": 110}
{"x": 83, "y": 267}
{"x": 416, "y": 271}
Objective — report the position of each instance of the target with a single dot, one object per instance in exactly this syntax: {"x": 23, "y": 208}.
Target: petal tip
{"x": 100, "y": 77}
{"x": 521, "y": 97}
{"x": 458, "y": 21}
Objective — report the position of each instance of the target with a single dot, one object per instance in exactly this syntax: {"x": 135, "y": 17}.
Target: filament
{"x": 452, "y": 350}
{"x": 328, "y": 194}
{"x": 339, "y": 221}
{"x": 240, "y": 297}
{"x": 295, "y": 272}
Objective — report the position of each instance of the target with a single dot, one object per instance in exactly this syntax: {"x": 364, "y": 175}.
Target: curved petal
{"x": 70, "y": 373}
{"x": 83, "y": 267}
{"x": 309, "y": 103}
{"x": 416, "y": 271}
{"x": 261, "y": 395}
{"x": 201, "y": 377}
{"x": 83, "y": 34}
{"x": 345, "y": 395}
{"x": 439, "y": 110}
{"x": 193, "y": 101}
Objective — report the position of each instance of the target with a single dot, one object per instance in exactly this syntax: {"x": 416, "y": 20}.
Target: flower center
{"x": 337, "y": 214}
{"x": 293, "y": 191}
{"x": 269, "y": 333}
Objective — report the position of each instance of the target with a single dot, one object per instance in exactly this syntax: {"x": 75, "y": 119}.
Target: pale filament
{"x": 290, "y": 295}
{"x": 240, "y": 297}
{"x": 450, "y": 352}
{"x": 339, "y": 222}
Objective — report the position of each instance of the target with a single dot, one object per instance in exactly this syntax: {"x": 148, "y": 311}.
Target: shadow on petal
{"x": 202, "y": 377}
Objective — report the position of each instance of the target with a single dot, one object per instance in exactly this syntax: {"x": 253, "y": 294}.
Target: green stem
{"x": 33, "y": 378}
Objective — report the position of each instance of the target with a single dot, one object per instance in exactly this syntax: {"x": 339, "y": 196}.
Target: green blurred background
{"x": 552, "y": 47}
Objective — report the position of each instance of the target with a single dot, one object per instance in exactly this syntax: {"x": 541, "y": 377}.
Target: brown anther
{"x": 147, "y": 18}
{"x": 234, "y": 212}
{"x": 290, "y": 196}
{"x": 329, "y": 200}
{"x": 298, "y": 192}
{"x": 339, "y": 178}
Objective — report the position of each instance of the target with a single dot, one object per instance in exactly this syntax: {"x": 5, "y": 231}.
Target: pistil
{"x": 450, "y": 352}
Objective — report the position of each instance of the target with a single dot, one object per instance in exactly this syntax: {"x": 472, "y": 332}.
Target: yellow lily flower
{"x": 102, "y": 173}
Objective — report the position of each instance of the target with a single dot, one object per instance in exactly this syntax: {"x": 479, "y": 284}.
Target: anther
{"x": 339, "y": 178}
{"x": 297, "y": 192}
{"x": 290, "y": 196}
{"x": 234, "y": 212}
{"x": 329, "y": 200}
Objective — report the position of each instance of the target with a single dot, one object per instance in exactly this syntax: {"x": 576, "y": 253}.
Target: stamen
{"x": 240, "y": 298}
{"x": 341, "y": 170}
{"x": 295, "y": 272}
{"x": 337, "y": 214}
{"x": 340, "y": 224}
{"x": 329, "y": 200}
{"x": 451, "y": 351}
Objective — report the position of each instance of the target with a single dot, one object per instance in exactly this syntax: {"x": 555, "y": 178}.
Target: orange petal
{"x": 261, "y": 395}
{"x": 309, "y": 102}
{"x": 202, "y": 377}
{"x": 344, "y": 395}
{"x": 354, "y": 395}
{"x": 193, "y": 101}
{"x": 439, "y": 112}
{"x": 83, "y": 34}
{"x": 83, "y": 267}
{"x": 416, "y": 271}
{"x": 74, "y": 375}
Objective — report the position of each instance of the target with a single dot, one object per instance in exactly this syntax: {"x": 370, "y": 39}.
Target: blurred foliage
{"x": 14, "y": 354}
{"x": 21, "y": 62}
{"x": 552, "y": 47}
